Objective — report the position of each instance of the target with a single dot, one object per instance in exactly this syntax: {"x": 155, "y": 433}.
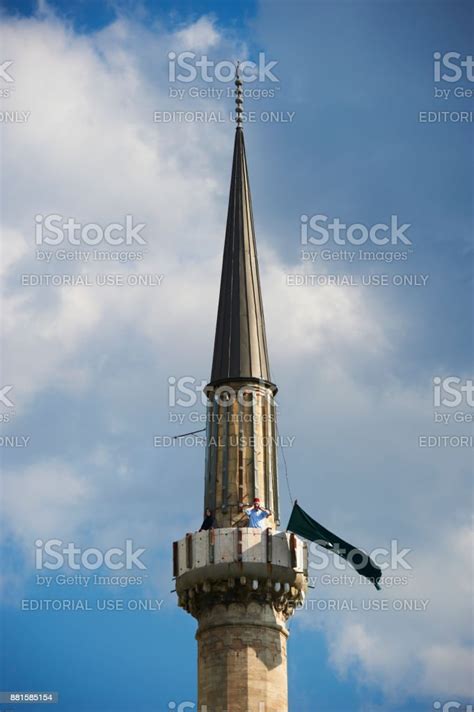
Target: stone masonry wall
{"x": 242, "y": 664}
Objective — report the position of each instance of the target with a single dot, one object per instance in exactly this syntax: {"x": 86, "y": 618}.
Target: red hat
{"x": 256, "y": 499}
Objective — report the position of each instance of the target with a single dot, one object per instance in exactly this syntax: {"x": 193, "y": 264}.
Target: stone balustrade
{"x": 240, "y": 564}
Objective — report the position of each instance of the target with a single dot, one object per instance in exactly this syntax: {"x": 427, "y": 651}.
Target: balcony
{"x": 222, "y": 563}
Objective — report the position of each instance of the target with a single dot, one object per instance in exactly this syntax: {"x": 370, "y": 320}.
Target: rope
{"x": 285, "y": 466}
{"x": 175, "y": 437}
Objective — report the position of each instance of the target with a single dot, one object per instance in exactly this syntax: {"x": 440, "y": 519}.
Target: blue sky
{"x": 90, "y": 366}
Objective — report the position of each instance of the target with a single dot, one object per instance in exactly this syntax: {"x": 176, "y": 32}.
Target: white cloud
{"x": 447, "y": 668}
{"x": 92, "y": 151}
{"x": 201, "y": 35}
{"x": 423, "y": 651}
{"x": 43, "y": 500}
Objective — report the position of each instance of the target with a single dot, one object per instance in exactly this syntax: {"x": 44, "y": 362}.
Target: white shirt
{"x": 256, "y": 517}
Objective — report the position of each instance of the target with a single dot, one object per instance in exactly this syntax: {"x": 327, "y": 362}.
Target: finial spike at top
{"x": 240, "y": 346}
{"x": 239, "y": 94}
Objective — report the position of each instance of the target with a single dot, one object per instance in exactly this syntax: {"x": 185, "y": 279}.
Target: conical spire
{"x": 240, "y": 348}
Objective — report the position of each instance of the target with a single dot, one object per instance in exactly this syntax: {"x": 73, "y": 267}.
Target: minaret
{"x": 241, "y": 583}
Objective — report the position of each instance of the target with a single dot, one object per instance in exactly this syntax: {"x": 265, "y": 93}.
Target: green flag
{"x": 302, "y": 524}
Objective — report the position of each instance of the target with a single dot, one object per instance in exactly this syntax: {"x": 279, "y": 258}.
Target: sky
{"x": 358, "y": 114}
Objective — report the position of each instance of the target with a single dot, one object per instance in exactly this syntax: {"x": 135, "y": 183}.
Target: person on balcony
{"x": 209, "y": 521}
{"x": 256, "y": 514}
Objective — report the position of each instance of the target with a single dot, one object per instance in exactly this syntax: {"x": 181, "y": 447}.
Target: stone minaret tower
{"x": 240, "y": 583}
